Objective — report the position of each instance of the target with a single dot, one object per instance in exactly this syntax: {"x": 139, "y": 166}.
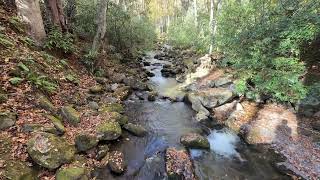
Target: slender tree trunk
{"x": 30, "y": 12}
{"x": 101, "y": 21}
{"x": 71, "y": 11}
{"x": 211, "y": 24}
{"x": 57, "y": 14}
{"x": 195, "y": 6}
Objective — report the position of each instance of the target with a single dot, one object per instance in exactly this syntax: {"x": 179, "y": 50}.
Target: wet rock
{"x": 17, "y": 170}
{"x": 57, "y": 123}
{"x": 202, "y": 112}
{"x": 50, "y": 151}
{"x": 46, "y": 104}
{"x": 140, "y": 95}
{"x": 150, "y": 74}
{"x": 85, "y": 142}
{"x": 7, "y": 119}
{"x": 117, "y": 117}
{"x": 109, "y": 131}
{"x": 122, "y": 93}
{"x": 113, "y": 107}
{"x": 71, "y": 115}
{"x": 152, "y": 96}
{"x": 72, "y": 173}
{"x": 102, "y": 152}
{"x": 135, "y": 84}
{"x": 222, "y": 113}
{"x": 98, "y": 89}
{"x": 179, "y": 164}
{"x": 195, "y": 140}
{"x": 135, "y": 129}
{"x": 116, "y": 162}
{"x": 93, "y": 105}
{"x": 146, "y": 63}
{"x": 315, "y": 124}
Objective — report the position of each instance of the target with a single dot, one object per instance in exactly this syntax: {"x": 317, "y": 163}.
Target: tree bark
{"x": 211, "y": 24}
{"x": 101, "y": 22}
{"x": 29, "y": 10}
{"x": 57, "y": 14}
{"x": 195, "y": 6}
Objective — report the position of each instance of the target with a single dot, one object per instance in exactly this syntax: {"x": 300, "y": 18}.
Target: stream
{"x": 228, "y": 158}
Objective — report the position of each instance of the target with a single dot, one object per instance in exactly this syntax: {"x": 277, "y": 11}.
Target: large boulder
{"x": 18, "y": 171}
{"x": 109, "y": 130}
{"x": 241, "y": 116}
{"x": 135, "y": 129}
{"x": 202, "y": 112}
{"x": 221, "y": 81}
{"x": 135, "y": 84}
{"x": 113, "y": 107}
{"x": 71, "y": 115}
{"x": 117, "y": 117}
{"x": 117, "y": 78}
{"x": 72, "y": 173}
{"x": 222, "y": 113}
{"x": 7, "y": 119}
{"x": 85, "y": 142}
{"x": 315, "y": 124}
{"x": 195, "y": 140}
{"x": 50, "y": 151}
{"x": 122, "y": 93}
{"x": 271, "y": 121}
{"x": 179, "y": 164}
{"x": 116, "y": 162}
{"x": 211, "y": 98}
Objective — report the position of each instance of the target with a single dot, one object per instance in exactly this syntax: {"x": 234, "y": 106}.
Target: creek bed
{"x": 228, "y": 158}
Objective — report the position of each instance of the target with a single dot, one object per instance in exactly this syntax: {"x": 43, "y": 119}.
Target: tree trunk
{"x": 211, "y": 24}
{"x": 57, "y": 14}
{"x": 195, "y": 6}
{"x": 71, "y": 11}
{"x": 101, "y": 21}
{"x": 30, "y": 12}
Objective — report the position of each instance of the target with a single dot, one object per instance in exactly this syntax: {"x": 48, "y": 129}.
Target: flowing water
{"x": 228, "y": 158}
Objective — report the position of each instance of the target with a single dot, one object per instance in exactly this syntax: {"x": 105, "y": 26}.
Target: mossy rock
{"x": 16, "y": 170}
{"x": 50, "y": 151}
{"x": 116, "y": 162}
{"x": 3, "y": 98}
{"x": 7, "y": 119}
{"x": 85, "y": 142}
{"x": 96, "y": 89}
{"x": 135, "y": 129}
{"x": 113, "y": 107}
{"x": 72, "y": 79}
{"x": 72, "y": 173}
{"x": 31, "y": 128}
{"x": 122, "y": 93}
{"x": 46, "y": 104}
{"x": 57, "y": 123}
{"x": 71, "y": 115}
{"x": 194, "y": 140}
{"x": 121, "y": 119}
{"x": 109, "y": 130}
{"x": 102, "y": 152}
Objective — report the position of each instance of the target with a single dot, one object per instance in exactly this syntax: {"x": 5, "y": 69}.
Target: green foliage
{"x": 125, "y": 30}
{"x": 5, "y": 42}
{"x": 263, "y": 41}
{"x": 184, "y": 33}
{"x": 16, "y": 23}
{"x": 42, "y": 82}
{"x": 15, "y": 80}
{"x": 59, "y": 41}
{"x": 89, "y": 59}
